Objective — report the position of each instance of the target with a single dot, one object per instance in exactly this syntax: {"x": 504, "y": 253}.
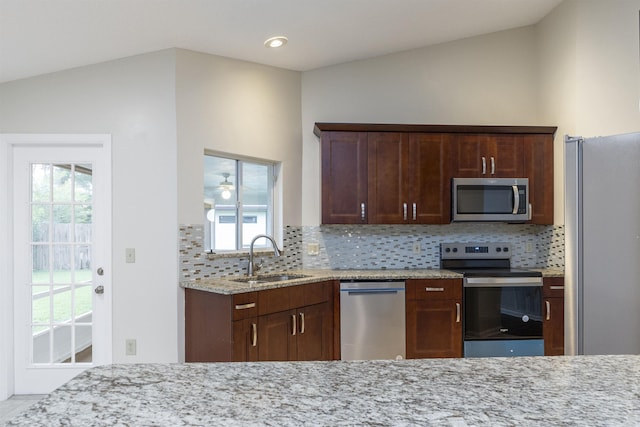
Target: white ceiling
{"x": 42, "y": 36}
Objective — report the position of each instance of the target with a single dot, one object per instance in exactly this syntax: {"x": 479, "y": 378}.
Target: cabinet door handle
{"x": 484, "y": 166}
{"x": 415, "y": 211}
{"x": 254, "y": 335}
{"x": 457, "y": 312}
{"x": 245, "y": 306}
{"x": 363, "y": 211}
{"x": 557, "y": 288}
{"x": 434, "y": 289}
{"x": 548, "y": 304}
{"x": 294, "y": 326}
{"x": 302, "y": 323}
{"x": 493, "y": 166}
{"x": 404, "y": 211}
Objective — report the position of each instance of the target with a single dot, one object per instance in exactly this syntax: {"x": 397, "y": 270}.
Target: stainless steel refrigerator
{"x": 602, "y": 245}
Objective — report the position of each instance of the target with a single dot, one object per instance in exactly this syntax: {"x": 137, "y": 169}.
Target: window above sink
{"x": 238, "y": 202}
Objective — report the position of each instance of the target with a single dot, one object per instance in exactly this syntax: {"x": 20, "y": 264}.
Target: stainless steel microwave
{"x": 490, "y": 199}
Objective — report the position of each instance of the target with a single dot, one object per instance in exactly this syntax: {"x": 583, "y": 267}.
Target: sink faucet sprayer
{"x": 276, "y": 252}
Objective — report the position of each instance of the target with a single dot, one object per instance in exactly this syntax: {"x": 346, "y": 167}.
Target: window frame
{"x": 273, "y": 208}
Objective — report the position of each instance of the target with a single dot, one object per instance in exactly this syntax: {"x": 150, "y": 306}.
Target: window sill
{"x": 262, "y": 253}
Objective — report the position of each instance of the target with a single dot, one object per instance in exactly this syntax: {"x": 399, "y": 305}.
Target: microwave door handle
{"x": 516, "y": 199}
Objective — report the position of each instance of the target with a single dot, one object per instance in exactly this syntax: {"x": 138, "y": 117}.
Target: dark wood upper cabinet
{"x": 430, "y": 178}
{"x": 538, "y": 166}
{"x": 344, "y": 177}
{"x": 401, "y": 174}
{"x": 388, "y": 186}
{"x": 487, "y": 156}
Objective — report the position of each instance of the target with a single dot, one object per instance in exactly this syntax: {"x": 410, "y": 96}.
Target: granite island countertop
{"x": 229, "y": 285}
{"x": 519, "y": 391}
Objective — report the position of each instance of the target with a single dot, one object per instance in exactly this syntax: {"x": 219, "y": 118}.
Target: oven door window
{"x": 507, "y": 312}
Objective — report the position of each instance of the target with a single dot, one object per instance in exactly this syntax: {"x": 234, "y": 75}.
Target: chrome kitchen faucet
{"x": 251, "y": 267}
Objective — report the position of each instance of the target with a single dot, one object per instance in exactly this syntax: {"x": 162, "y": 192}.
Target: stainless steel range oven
{"x": 502, "y": 306}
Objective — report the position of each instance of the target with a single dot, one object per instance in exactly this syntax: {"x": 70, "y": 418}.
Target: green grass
{"x": 63, "y": 310}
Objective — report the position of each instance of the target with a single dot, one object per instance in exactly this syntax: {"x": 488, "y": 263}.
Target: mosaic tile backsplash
{"x": 374, "y": 247}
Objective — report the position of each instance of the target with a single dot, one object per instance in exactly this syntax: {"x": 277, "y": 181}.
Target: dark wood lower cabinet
{"x": 276, "y": 340}
{"x": 301, "y": 334}
{"x": 292, "y": 323}
{"x": 553, "y": 325}
{"x": 245, "y": 340}
{"x": 434, "y": 322}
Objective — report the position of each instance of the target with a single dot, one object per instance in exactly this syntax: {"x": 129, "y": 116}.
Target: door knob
{"x": 100, "y": 271}
{"x": 99, "y": 290}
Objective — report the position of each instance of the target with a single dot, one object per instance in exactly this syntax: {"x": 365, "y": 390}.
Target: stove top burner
{"x": 481, "y": 260}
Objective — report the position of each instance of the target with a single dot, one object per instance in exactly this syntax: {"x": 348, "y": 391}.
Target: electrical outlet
{"x": 130, "y": 349}
{"x": 313, "y": 249}
{"x": 130, "y": 255}
{"x": 529, "y": 247}
{"x": 416, "y": 248}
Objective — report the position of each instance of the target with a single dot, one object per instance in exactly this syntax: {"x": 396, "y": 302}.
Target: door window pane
{"x": 61, "y": 286}
{"x": 62, "y": 189}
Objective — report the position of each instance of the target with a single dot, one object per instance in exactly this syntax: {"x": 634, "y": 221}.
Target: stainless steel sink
{"x": 270, "y": 278}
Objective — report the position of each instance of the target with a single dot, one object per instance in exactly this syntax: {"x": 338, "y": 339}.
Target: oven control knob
{"x": 498, "y": 249}
{"x": 447, "y": 250}
{"x": 525, "y": 318}
{"x": 506, "y": 249}
{"x": 455, "y": 250}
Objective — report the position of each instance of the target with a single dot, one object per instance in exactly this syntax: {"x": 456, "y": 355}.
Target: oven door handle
{"x": 493, "y": 282}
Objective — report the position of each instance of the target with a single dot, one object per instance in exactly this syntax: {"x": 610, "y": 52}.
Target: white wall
{"x": 608, "y": 67}
{"x": 240, "y": 108}
{"x": 133, "y": 99}
{"x": 589, "y": 73}
{"x": 557, "y": 87}
{"x": 482, "y": 80}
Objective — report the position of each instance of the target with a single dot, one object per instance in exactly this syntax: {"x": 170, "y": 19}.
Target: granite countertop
{"x": 519, "y": 391}
{"x": 228, "y": 285}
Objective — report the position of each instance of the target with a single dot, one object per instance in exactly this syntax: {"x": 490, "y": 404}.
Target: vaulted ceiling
{"x": 42, "y": 36}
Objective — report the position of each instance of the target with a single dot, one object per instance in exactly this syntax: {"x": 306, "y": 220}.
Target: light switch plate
{"x": 130, "y": 347}
{"x": 130, "y": 255}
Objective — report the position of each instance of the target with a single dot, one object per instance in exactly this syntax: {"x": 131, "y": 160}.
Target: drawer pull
{"x": 548, "y": 309}
{"x": 254, "y": 335}
{"x": 434, "y": 289}
{"x": 245, "y": 306}
{"x": 556, "y": 288}
{"x": 457, "y": 312}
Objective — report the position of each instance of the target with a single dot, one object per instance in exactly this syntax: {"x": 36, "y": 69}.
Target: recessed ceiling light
{"x": 276, "y": 41}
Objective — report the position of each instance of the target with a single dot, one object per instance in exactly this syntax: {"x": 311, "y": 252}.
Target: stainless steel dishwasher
{"x": 372, "y": 320}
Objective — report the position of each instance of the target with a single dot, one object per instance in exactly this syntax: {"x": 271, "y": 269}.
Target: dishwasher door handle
{"x": 372, "y": 291}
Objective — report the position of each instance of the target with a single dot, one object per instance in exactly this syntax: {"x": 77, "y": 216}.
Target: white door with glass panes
{"x": 62, "y": 267}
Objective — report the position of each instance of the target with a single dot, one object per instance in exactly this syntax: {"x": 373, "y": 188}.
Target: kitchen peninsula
{"x": 525, "y": 391}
